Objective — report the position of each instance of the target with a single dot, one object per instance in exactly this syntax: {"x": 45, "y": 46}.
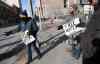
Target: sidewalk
{"x": 9, "y": 43}
{"x": 6, "y": 29}
{"x": 58, "y": 55}
{"x": 44, "y": 36}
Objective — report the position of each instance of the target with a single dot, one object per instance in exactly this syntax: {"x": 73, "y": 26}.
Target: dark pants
{"x": 76, "y": 50}
{"x": 30, "y": 50}
{"x": 95, "y": 59}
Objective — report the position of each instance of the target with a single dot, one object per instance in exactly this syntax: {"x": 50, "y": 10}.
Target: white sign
{"x": 27, "y": 39}
{"x": 70, "y": 28}
{"x": 71, "y": 25}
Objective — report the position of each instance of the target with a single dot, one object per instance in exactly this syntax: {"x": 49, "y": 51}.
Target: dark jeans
{"x": 29, "y": 46}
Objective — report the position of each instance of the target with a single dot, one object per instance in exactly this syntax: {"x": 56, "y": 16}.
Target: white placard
{"x": 71, "y": 25}
{"x": 70, "y": 28}
{"x": 27, "y": 39}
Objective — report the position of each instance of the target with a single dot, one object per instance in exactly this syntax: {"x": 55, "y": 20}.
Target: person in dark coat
{"x": 27, "y": 23}
{"x": 90, "y": 39}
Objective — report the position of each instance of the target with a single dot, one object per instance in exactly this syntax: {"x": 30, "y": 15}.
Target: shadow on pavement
{"x": 10, "y": 44}
{"x": 13, "y": 52}
{"x": 6, "y": 38}
{"x": 13, "y": 31}
{"x": 20, "y": 47}
{"x": 50, "y": 38}
{"x": 53, "y": 45}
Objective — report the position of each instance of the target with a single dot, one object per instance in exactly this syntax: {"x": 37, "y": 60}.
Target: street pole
{"x": 40, "y": 14}
{"x": 45, "y": 9}
{"x": 31, "y": 8}
{"x": 41, "y": 8}
{"x": 32, "y": 13}
{"x": 20, "y": 5}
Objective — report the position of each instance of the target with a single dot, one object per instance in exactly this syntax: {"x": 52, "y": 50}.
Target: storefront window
{"x": 83, "y": 2}
{"x": 65, "y": 3}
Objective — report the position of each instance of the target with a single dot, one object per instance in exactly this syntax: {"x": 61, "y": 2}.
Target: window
{"x": 65, "y": 3}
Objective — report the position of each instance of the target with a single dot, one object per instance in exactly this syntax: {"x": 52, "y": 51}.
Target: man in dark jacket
{"x": 27, "y": 23}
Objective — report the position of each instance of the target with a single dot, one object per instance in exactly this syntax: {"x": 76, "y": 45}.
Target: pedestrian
{"x": 90, "y": 39}
{"x": 73, "y": 9}
{"x": 28, "y": 23}
{"x": 33, "y": 31}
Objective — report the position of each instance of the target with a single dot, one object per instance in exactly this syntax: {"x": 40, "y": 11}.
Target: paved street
{"x": 57, "y": 52}
{"x": 65, "y": 27}
{"x": 9, "y": 45}
{"x": 53, "y": 49}
{"x": 58, "y": 55}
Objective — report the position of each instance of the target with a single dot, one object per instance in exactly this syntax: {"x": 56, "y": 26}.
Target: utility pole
{"x": 40, "y": 14}
{"x": 32, "y": 13}
{"x": 44, "y": 9}
{"x": 20, "y": 5}
{"x": 31, "y": 8}
{"x": 41, "y": 7}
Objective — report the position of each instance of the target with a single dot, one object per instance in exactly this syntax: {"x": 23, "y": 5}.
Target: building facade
{"x": 9, "y": 10}
{"x": 50, "y": 8}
